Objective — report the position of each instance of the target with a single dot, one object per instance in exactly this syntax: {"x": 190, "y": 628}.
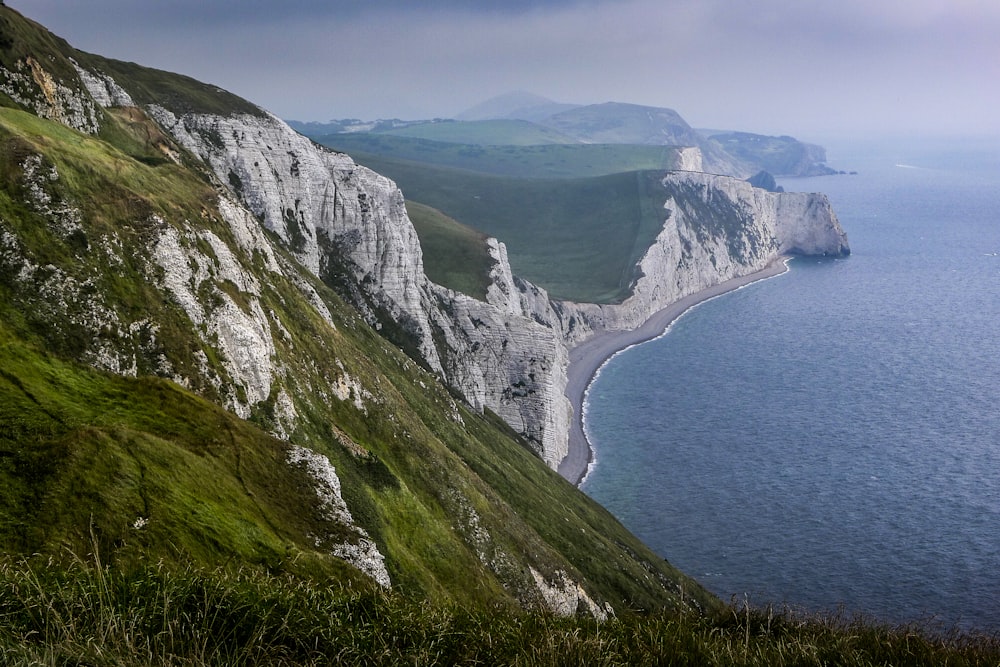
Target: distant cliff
{"x": 715, "y": 228}
{"x": 784, "y": 156}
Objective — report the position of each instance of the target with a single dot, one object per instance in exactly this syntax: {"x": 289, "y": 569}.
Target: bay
{"x": 830, "y": 439}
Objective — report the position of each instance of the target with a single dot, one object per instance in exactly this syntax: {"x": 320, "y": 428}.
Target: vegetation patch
{"x": 455, "y": 256}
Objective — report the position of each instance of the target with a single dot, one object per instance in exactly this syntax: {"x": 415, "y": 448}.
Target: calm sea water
{"x": 830, "y": 439}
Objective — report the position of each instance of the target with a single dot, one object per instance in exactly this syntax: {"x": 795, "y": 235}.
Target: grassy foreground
{"x": 88, "y": 613}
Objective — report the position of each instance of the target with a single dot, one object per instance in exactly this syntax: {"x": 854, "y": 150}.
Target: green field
{"x": 577, "y": 238}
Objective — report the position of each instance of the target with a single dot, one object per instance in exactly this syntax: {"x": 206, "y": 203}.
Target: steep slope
{"x": 161, "y": 258}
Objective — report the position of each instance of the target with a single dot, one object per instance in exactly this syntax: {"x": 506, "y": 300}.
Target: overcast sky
{"x": 816, "y": 69}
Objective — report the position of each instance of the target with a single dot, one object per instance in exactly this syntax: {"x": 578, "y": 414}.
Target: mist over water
{"x": 831, "y": 437}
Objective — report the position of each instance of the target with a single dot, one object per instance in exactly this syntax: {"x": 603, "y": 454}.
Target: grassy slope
{"x": 454, "y": 255}
{"x": 86, "y": 455}
{"x": 484, "y": 133}
{"x": 577, "y": 238}
{"x": 94, "y": 615}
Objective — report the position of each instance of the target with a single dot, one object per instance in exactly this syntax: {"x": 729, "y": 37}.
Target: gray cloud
{"x": 812, "y": 69}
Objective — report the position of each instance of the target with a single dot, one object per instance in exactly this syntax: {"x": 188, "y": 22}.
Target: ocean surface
{"x": 830, "y": 439}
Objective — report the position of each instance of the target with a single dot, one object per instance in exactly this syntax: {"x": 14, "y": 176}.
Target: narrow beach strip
{"x": 587, "y": 358}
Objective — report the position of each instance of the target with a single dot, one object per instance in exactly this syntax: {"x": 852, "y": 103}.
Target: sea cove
{"x": 829, "y": 438}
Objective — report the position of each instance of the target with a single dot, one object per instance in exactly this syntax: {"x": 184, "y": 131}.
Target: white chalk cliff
{"x": 715, "y": 228}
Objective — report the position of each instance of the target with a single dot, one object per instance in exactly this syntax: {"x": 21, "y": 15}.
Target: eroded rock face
{"x": 508, "y": 354}
{"x": 360, "y": 550}
{"x": 30, "y": 85}
{"x": 502, "y": 354}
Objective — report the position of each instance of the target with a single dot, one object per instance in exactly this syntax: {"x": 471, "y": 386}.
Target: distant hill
{"x": 516, "y": 105}
{"x": 524, "y": 119}
{"x": 616, "y": 123}
{"x": 784, "y": 155}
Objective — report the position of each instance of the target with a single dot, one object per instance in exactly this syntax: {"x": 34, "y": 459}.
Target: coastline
{"x": 587, "y": 358}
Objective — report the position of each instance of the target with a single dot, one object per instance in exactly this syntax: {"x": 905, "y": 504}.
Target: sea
{"x": 829, "y": 440}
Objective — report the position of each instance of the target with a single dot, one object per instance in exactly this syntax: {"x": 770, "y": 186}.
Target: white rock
{"x": 361, "y": 552}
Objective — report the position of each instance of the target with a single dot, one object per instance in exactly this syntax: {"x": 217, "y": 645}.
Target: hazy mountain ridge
{"x": 739, "y": 154}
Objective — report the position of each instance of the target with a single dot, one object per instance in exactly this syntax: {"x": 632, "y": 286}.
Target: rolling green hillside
{"x": 522, "y": 161}
{"x": 455, "y": 256}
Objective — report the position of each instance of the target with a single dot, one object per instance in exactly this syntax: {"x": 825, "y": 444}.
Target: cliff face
{"x": 146, "y": 268}
{"x": 348, "y": 225}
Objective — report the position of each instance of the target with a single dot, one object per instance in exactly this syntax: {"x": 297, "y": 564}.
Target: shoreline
{"x": 587, "y": 358}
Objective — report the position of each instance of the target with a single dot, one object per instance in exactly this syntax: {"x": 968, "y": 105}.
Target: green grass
{"x": 89, "y": 613}
{"x": 21, "y": 38}
{"x": 175, "y": 92}
{"x": 484, "y": 133}
{"x": 522, "y": 161}
{"x": 577, "y": 238}
{"x": 455, "y": 256}
{"x": 87, "y": 452}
